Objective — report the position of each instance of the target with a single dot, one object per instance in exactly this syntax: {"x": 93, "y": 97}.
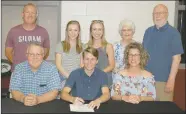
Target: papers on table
{"x": 80, "y": 108}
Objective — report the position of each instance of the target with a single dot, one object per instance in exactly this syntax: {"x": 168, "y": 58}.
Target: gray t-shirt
{"x": 71, "y": 60}
{"x": 18, "y": 38}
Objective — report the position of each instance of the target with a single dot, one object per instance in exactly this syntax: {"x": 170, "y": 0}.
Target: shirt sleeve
{"x": 59, "y": 48}
{"x": 176, "y": 44}
{"x": 104, "y": 81}
{"x": 144, "y": 43}
{"x": 145, "y": 38}
{"x": 54, "y": 81}
{"x": 16, "y": 79}
{"x": 151, "y": 90}
{"x": 46, "y": 41}
{"x": 9, "y": 39}
{"x": 71, "y": 80}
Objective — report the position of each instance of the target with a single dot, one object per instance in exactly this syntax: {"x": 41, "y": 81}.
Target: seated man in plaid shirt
{"x": 35, "y": 81}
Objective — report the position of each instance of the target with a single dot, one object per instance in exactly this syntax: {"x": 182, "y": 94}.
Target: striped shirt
{"x": 45, "y": 79}
{"x": 70, "y": 61}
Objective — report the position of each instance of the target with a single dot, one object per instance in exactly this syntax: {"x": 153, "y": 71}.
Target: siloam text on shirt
{"x": 29, "y": 39}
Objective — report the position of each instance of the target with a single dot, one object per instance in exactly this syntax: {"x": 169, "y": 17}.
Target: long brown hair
{"x": 66, "y": 44}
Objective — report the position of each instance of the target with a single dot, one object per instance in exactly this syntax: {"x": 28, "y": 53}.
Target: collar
{"x": 29, "y": 68}
{"x": 93, "y": 74}
{"x": 163, "y": 28}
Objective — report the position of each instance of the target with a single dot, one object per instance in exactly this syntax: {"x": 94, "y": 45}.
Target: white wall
{"x": 112, "y": 12}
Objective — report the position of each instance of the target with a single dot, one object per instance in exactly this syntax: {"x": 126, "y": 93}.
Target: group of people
{"x": 96, "y": 71}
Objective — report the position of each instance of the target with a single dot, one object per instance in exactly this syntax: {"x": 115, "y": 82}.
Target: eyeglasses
{"x": 34, "y": 55}
{"x": 135, "y": 55}
{"x": 159, "y": 13}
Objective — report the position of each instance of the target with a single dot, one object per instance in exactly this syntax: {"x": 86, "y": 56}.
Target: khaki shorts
{"x": 160, "y": 94}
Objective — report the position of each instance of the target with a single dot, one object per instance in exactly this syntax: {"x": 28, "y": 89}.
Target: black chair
{"x": 5, "y": 74}
{"x": 5, "y": 93}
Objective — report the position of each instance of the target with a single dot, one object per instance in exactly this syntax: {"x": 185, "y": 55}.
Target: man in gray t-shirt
{"x": 21, "y": 35}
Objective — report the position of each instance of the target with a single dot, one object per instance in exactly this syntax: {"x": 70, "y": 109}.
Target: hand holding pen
{"x": 78, "y": 101}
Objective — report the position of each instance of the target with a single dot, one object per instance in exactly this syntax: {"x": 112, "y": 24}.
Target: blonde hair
{"x": 104, "y": 42}
{"x": 144, "y": 56}
{"x": 91, "y": 50}
{"x": 66, "y": 44}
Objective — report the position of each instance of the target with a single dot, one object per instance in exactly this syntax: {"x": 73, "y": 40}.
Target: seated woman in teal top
{"x": 134, "y": 84}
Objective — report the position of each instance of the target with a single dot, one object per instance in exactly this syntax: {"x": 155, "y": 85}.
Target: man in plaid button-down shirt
{"x": 35, "y": 81}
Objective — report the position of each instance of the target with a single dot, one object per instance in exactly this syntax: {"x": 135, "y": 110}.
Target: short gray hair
{"x": 35, "y": 44}
{"x": 126, "y": 22}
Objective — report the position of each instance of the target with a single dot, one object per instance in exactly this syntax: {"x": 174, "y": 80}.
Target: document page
{"x": 80, "y": 108}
